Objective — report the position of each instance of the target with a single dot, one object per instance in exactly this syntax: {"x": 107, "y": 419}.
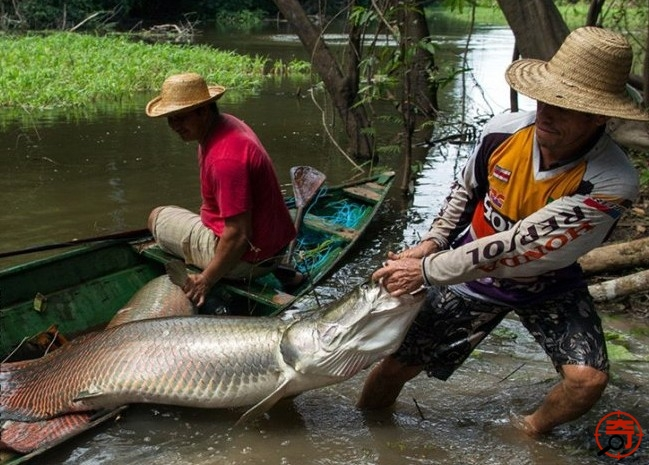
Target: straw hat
{"x": 182, "y": 92}
{"x": 588, "y": 73}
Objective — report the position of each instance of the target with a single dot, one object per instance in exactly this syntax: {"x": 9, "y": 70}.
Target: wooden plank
{"x": 370, "y": 191}
{"x": 320, "y": 224}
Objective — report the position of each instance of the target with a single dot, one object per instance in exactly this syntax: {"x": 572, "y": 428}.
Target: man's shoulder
{"x": 234, "y": 134}
{"x": 232, "y": 125}
{"x": 609, "y": 164}
{"x": 509, "y": 123}
{"x": 500, "y": 128}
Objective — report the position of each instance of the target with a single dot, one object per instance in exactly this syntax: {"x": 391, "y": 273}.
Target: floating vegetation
{"x": 70, "y": 69}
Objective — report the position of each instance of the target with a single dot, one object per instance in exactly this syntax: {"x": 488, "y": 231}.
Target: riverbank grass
{"x": 617, "y": 15}
{"x": 70, "y": 69}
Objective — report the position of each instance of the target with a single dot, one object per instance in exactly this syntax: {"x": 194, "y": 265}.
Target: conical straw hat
{"x": 182, "y": 92}
{"x": 588, "y": 73}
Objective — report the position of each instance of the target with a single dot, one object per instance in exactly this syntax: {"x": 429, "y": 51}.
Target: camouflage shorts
{"x": 450, "y": 326}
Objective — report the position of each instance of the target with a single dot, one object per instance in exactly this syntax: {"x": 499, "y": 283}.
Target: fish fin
{"x": 25, "y": 437}
{"x": 88, "y": 394}
{"x": 263, "y": 406}
{"x": 177, "y": 272}
{"x": 341, "y": 365}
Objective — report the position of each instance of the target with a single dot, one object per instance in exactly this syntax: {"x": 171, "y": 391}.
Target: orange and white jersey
{"x": 514, "y": 232}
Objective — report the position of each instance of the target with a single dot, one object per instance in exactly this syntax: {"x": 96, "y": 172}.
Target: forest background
{"x": 73, "y": 52}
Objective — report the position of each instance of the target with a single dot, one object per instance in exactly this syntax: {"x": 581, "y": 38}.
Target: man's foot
{"x": 520, "y": 422}
{"x": 293, "y": 283}
{"x": 290, "y": 278}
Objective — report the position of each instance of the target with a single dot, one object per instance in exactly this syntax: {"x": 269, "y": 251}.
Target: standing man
{"x": 540, "y": 190}
{"x": 244, "y": 224}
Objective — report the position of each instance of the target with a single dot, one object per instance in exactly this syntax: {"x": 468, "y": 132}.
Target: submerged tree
{"x": 363, "y": 74}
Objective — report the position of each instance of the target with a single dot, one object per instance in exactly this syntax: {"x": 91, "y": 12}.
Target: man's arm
{"x": 230, "y": 247}
{"x": 552, "y": 238}
{"x": 454, "y": 217}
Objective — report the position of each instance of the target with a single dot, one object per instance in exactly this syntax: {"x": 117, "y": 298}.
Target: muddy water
{"x": 65, "y": 177}
{"x": 463, "y": 421}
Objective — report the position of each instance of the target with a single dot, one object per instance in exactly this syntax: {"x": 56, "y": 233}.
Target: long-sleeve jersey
{"x": 512, "y": 233}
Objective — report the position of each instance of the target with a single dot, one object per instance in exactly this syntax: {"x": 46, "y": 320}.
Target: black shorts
{"x": 449, "y": 326}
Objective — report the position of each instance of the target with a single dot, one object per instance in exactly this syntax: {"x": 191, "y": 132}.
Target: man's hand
{"x": 402, "y": 273}
{"x": 400, "y": 276}
{"x": 419, "y": 251}
{"x": 196, "y": 288}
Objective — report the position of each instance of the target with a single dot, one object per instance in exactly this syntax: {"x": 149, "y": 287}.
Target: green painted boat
{"x": 81, "y": 288}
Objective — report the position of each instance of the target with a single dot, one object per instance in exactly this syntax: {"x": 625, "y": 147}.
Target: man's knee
{"x": 384, "y": 383}
{"x": 586, "y": 382}
{"x": 391, "y": 368}
{"x": 153, "y": 217}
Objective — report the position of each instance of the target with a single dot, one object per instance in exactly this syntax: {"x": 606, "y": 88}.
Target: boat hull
{"x": 81, "y": 289}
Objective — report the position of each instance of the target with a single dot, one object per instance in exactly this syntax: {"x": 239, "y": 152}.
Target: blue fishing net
{"x": 316, "y": 248}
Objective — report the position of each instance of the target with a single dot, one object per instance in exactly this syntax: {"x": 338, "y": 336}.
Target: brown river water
{"x": 65, "y": 176}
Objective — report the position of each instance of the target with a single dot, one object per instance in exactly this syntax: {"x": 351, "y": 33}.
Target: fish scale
{"x": 160, "y": 297}
{"x": 116, "y": 364}
{"x": 31, "y": 435}
{"x": 209, "y": 361}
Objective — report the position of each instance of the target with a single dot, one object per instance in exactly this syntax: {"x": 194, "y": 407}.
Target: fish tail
{"x": 22, "y": 398}
{"x": 25, "y": 437}
{"x": 10, "y": 392}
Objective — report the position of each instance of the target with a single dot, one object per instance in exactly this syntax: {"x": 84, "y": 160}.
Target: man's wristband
{"x": 423, "y": 271}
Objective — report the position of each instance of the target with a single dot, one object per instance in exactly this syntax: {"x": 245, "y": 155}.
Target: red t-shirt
{"x": 237, "y": 175}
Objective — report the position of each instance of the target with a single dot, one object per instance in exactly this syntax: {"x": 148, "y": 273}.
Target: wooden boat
{"x": 83, "y": 287}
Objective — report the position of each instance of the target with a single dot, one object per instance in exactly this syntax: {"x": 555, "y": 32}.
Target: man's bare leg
{"x": 384, "y": 383}
{"x": 580, "y": 388}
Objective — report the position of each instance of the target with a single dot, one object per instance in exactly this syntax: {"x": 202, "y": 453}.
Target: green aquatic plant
{"x": 622, "y": 347}
{"x": 69, "y": 69}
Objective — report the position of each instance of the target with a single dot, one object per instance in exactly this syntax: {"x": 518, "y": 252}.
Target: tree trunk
{"x": 616, "y": 256}
{"x": 645, "y": 72}
{"x": 341, "y": 88}
{"x": 594, "y": 11}
{"x": 418, "y": 91}
{"x": 538, "y": 26}
{"x": 620, "y": 287}
{"x": 423, "y": 90}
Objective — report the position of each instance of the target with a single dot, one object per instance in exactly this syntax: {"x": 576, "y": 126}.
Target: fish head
{"x": 363, "y": 327}
{"x": 369, "y": 318}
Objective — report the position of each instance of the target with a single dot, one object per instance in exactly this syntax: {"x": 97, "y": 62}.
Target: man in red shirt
{"x": 244, "y": 224}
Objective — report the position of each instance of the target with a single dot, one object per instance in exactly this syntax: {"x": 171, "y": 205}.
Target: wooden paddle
{"x": 117, "y": 237}
{"x": 306, "y": 182}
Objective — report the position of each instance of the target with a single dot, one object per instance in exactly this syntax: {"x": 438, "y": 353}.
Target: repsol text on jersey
{"x": 549, "y": 235}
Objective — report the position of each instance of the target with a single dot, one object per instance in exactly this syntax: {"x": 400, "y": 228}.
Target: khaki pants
{"x": 181, "y": 232}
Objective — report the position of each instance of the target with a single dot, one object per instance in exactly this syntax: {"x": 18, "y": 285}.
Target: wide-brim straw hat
{"x": 588, "y": 74}
{"x": 182, "y": 92}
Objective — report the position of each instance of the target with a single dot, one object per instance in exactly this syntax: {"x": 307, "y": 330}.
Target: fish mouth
{"x": 399, "y": 304}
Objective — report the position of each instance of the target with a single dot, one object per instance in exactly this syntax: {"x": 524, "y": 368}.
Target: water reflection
{"x": 66, "y": 176}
